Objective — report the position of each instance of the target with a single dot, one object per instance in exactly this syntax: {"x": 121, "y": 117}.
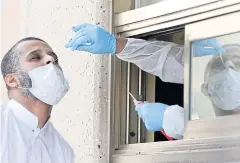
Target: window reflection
{"x": 142, "y": 3}
{"x": 216, "y": 76}
{"x": 127, "y": 5}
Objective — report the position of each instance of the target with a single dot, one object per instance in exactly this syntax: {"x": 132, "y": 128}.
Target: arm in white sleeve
{"x": 160, "y": 58}
{"x": 173, "y": 122}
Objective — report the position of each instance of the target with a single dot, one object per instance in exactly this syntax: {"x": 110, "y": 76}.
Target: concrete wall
{"x": 81, "y": 117}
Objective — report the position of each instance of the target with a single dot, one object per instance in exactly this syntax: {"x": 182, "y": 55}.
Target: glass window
{"x": 216, "y": 76}
{"x": 144, "y": 87}
{"x": 126, "y": 5}
{"x": 142, "y": 3}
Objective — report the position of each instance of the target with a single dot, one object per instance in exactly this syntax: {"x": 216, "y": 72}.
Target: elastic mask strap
{"x": 220, "y": 55}
{"x": 225, "y": 64}
{"x": 20, "y": 86}
{"x": 216, "y": 50}
{"x": 208, "y": 74}
{"x": 23, "y": 88}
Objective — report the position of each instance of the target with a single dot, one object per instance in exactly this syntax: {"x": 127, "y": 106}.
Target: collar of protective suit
{"x": 23, "y": 142}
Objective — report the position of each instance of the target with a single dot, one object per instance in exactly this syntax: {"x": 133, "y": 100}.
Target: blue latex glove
{"x": 207, "y": 47}
{"x": 93, "y": 39}
{"x": 152, "y": 115}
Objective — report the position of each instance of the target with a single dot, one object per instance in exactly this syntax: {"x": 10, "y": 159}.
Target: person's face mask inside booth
{"x": 222, "y": 81}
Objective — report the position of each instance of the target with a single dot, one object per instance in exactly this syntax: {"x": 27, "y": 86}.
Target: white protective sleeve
{"x": 173, "y": 122}
{"x": 160, "y": 58}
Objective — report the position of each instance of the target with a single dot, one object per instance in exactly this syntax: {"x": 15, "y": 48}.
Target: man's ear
{"x": 12, "y": 81}
{"x": 204, "y": 89}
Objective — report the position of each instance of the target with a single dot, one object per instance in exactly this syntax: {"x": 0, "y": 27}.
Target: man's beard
{"x": 26, "y": 83}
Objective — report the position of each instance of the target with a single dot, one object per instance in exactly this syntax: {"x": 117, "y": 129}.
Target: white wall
{"x": 10, "y": 31}
{"x": 81, "y": 117}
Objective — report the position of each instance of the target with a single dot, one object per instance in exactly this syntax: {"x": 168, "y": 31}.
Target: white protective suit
{"x": 165, "y": 60}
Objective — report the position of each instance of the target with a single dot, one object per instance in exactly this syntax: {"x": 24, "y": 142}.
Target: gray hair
{"x": 10, "y": 62}
{"x": 217, "y": 63}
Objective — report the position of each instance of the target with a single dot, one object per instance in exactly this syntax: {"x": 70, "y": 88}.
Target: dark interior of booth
{"x": 167, "y": 93}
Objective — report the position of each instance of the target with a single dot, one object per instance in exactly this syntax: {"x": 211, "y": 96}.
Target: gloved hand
{"x": 93, "y": 39}
{"x": 207, "y": 47}
{"x": 152, "y": 115}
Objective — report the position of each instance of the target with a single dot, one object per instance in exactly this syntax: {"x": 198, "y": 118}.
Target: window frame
{"x": 226, "y": 25}
{"x": 123, "y": 81}
{"x": 161, "y": 15}
{"x": 194, "y": 145}
{"x": 200, "y": 150}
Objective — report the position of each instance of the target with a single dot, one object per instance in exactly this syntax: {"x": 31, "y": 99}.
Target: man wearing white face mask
{"x": 35, "y": 83}
{"x": 222, "y": 81}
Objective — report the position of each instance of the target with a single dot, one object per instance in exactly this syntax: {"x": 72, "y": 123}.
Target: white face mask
{"x": 48, "y": 84}
{"x": 224, "y": 89}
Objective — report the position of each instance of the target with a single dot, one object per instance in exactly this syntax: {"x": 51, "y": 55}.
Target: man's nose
{"x": 48, "y": 59}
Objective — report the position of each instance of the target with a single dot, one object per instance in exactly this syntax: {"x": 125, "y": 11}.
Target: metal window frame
{"x": 124, "y": 81}
{"x": 219, "y": 150}
{"x": 195, "y": 149}
{"x": 164, "y": 15}
{"x": 225, "y": 24}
